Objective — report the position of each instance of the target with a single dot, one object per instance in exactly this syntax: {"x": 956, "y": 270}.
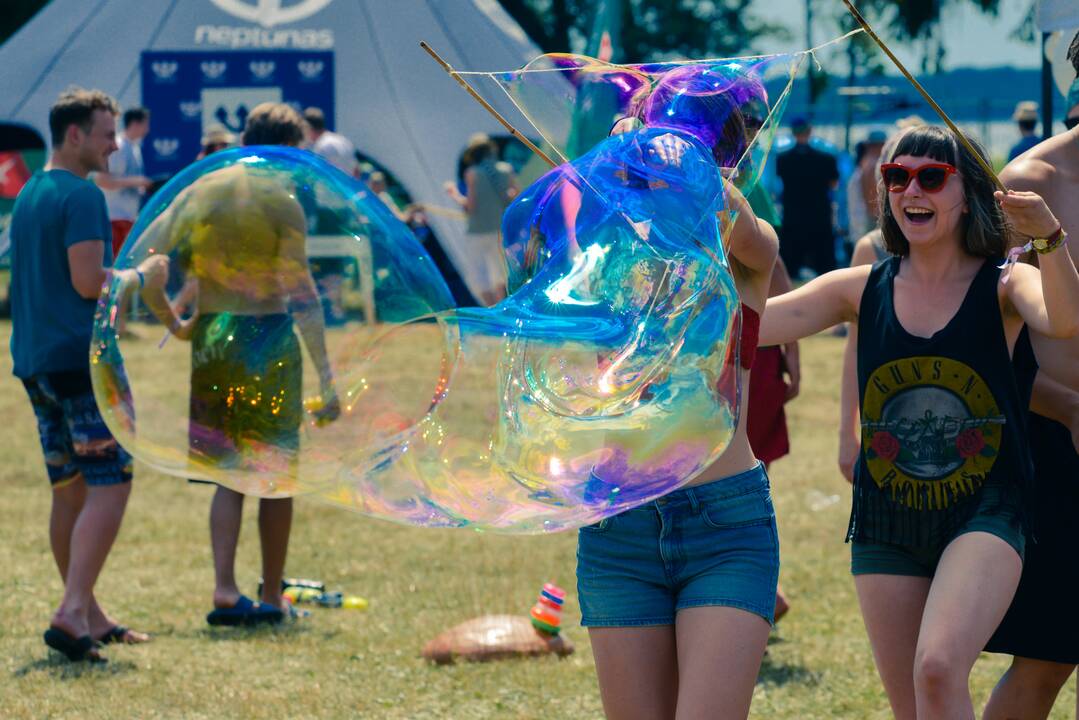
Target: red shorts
{"x": 767, "y": 423}
{"x": 120, "y": 229}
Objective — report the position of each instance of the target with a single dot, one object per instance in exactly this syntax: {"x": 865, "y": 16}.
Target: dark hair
{"x": 712, "y": 117}
{"x": 135, "y": 115}
{"x": 1028, "y": 125}
{"x": 315, "y": 118}
{"x": 985, "y": 232}
{"x": 76, "y": 106}
{"x": 273, "y": 124}
{"x": 1073, "y": 53}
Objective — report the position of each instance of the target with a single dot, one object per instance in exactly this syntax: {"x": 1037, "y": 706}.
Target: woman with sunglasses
{"x": 945, "y": 368}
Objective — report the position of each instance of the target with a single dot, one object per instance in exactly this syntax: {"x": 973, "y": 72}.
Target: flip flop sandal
{"x": 119, "y": 634}
{"x": 75, "y": 649}
{"x": 244, "y": 612}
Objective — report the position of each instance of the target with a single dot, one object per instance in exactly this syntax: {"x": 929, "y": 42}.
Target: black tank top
{"x": 942, "y": 417}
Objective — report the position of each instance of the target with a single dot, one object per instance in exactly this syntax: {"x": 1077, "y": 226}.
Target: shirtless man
{"x": 1040, "y": 631}
{"x": 240, "y": 237}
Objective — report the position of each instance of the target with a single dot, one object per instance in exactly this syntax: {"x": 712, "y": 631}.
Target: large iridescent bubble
{"x": 289, "y": 271}
{"x": 601, "y": 382}
{"x": 604, "y": 380}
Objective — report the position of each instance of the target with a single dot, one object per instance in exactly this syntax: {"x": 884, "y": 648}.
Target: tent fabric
{"x": 1055, "y": 15}
{"x": 392, "y": 100}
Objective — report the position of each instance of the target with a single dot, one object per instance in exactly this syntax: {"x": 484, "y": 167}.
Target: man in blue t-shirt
{"x": 60, "y": 258}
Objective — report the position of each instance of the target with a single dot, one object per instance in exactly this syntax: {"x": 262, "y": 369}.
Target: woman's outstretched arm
{"x": 821, "y": 303}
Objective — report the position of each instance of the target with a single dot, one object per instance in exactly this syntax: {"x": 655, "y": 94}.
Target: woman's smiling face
{"x": 925, "y": 217}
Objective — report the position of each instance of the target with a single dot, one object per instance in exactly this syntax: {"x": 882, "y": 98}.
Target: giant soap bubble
{"x": 290, "y": 269}
{"x": 604, "y": 380}
{"x": 600, "y": 382}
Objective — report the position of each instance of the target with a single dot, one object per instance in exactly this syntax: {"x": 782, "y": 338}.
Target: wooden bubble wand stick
{"x": 932, "y": 103}
{"x": 486, "y": 106}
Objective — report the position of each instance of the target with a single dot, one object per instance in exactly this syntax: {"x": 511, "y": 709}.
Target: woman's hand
{"x": 1028, "y": 213}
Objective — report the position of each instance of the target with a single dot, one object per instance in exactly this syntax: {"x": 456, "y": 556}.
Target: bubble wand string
{"x": 932, "y": 103}
{"x": 486, "y": 106}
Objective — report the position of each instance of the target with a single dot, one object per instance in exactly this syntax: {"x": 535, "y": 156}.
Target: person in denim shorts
{"x": 60, "y": 255}
{"x": 679, "y": 594}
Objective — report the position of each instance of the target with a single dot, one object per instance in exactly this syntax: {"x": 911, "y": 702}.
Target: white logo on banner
{"x": 262, "y": 69}
{"x": 166, "y": 147}
{"x": 213, "y": 70}
{"x": 164, "y": 70}
{"x": 230, "y": 106}
{"x": 271, "y": 12}
{"x": 191, "y": 109}
{"x": 311, "y": 69}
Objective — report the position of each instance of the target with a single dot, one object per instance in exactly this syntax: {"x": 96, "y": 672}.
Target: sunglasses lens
{"x": 896, "y": 179}
{"x": 932, "y": 179}
{"x": 1071, "y": 122}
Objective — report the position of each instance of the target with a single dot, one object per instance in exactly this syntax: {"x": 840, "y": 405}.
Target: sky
{"x": 969, "y": 33}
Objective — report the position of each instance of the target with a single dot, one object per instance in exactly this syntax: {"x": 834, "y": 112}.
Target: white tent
{"x": 391, "y": 99}
{"x": 1057, "y": 15}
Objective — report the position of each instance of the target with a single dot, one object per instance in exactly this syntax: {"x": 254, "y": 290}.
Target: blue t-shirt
{"x": 51, "y": 322}
{"x": 1022, "y": 146}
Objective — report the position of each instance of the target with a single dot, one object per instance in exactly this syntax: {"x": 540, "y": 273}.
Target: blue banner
{"x": 188, "y": 91}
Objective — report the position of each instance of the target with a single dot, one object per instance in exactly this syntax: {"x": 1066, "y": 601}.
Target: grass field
{"x": 343, "y": 663}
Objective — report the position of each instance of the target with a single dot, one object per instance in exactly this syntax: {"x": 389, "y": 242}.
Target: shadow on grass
{"x": 61, "y": 668}
{"x": 773, "y": 673}
{"x": 264, "y": 632}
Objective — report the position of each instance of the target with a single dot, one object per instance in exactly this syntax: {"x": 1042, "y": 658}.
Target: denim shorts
{"x": 74, "y": 437}
{"x": 712, "y": 544}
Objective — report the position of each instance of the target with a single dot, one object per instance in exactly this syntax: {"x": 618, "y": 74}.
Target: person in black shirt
{"x": 945, "y": 370}
{"x": 809, "y": 175}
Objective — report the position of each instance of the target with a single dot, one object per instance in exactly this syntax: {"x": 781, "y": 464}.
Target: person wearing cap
{"x": 1026, "y": 116}
{"x": 217, "y": 137}
{"x": 809, "y": 175}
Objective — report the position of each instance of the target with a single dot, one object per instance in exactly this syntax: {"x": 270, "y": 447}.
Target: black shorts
{"x": 1040, "y": 623}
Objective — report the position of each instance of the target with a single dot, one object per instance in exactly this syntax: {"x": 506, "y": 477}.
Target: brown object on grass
{"x": 494, "y": 637}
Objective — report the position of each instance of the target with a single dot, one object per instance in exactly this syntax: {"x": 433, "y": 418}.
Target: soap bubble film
{"x": 292, "y": 270}
{"x": 603, "y": 381}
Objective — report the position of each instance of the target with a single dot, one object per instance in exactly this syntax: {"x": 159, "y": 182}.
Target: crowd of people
{"x": 958, "y": 429}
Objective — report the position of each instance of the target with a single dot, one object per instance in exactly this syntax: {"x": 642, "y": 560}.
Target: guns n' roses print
{"x": 931, "y": 431}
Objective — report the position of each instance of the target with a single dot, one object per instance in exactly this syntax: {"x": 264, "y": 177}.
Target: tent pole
{"x": 486, "y": 106}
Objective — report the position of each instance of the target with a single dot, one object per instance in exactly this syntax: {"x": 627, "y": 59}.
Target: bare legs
{"x": 637, "y": 669}
{"x": 1027, "y": 690}
{"x": 83, "y": 524}
{"x": 275, "y": 524}
{"x": 704, "y": 666}
{"x": 226, "y": 516}
{"x": 926, "y": 634}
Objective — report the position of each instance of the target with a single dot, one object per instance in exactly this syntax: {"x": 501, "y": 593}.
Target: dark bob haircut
{"x": 984, "y": 227}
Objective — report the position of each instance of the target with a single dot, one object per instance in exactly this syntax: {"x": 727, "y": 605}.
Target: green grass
{"x": 339, "y": 663}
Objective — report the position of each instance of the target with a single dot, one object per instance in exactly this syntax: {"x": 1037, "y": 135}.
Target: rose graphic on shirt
{"x": 885, "y": 445}
{"x": 931, "y": 431}
{"x": 970, "y": 442}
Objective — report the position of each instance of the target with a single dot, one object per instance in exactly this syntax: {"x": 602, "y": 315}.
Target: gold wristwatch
{"x": 1047, "y": 245}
